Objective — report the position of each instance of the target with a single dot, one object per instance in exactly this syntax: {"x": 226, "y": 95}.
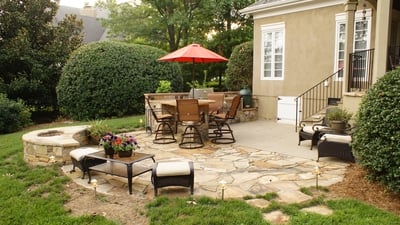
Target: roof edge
{"x": 284, "y": 5}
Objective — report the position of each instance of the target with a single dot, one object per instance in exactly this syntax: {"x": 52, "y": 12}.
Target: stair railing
{"x": 327, "y": 92}
{"x": 360, "y": 70}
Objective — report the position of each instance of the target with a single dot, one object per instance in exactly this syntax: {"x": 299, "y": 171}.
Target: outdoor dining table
{"x": 169, "y": 106}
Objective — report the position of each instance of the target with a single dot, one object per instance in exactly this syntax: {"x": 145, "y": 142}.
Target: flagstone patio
{"x": 265, "y": 158}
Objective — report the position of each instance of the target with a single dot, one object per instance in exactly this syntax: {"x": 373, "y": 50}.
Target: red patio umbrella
{"x": 193, "y": 53}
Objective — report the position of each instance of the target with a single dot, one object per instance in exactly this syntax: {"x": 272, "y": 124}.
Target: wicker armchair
{"x": 312, "y": 132}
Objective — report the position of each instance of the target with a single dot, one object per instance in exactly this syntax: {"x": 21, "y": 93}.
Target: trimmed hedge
{"x": 239, "y": 72}
{"x": 106, "y": 79}
{"x": 377, "y": 138}
{"x": 14, "y": 115}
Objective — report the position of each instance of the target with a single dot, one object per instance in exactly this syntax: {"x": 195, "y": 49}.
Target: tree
{"x": 33, "y": 50}
{"x": 170, "y": 24}
{"x": 152, "y": 22}
{"x": 231, "y": 29}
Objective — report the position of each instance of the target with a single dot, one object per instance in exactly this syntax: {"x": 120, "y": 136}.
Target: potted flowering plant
{"x": 107, "y": 142}
{"x": 124, "y": 145}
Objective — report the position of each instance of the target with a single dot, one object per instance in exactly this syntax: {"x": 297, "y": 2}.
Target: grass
{"x": 34, "y": 195}
{"x": 205, "y": 211}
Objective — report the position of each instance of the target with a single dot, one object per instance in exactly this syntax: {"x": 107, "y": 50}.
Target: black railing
{"x": 360, "y": 70}
{"x": 394, "y": 57}
{"x": 327, "y": 92}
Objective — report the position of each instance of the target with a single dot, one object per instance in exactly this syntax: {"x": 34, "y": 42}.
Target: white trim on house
{"x": 273, "y": 29}
{"x": 286, "y": 7}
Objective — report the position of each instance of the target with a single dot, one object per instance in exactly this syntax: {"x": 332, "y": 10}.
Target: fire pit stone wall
{"x": 42, "y": 147}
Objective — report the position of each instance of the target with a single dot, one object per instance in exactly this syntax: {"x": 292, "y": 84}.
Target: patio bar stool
{"x": 214, "y": 108}
{"x": 189, "y": 115}
{"x": 224, "y": 133}
{"x": 164, "y": 133}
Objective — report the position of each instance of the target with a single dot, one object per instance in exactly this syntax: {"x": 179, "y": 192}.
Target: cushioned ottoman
{"x": 78, "y": 159}
{"x": 172, "y": 173}
{"x": 335, "y": 145}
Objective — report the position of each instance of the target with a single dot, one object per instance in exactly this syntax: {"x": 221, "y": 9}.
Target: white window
{"x": 362, "y": 28}
{"x": 340, "y": 43}
{"x": 273, "y": 46}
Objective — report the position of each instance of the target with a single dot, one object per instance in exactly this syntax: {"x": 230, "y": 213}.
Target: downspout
{"x": 350, "y": 8}
{"x": 382, "y": 33}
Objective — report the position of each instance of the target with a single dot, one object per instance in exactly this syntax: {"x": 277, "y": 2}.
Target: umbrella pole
{"x": 193, "y": 78}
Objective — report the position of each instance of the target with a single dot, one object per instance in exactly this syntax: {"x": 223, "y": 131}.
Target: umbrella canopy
{"x": 193, "y": 53}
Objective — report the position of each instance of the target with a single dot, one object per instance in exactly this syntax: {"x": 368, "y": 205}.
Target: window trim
{"x": 275, "y": 27}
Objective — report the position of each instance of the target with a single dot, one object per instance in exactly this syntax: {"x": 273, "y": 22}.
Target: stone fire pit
{"x": 42, "y": 145}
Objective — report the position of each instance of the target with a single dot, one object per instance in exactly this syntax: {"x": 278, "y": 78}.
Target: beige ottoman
{"x": 172, "y": 173}
{"x": 78, "y": 159}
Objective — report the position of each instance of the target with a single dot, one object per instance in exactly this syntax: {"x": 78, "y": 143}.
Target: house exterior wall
{"x": 308, "y": 57}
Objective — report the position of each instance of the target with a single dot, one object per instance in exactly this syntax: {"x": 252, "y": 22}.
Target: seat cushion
{"x": 336, "y": 138}
{"x": 308, "y": 129}
{"x": 171, "y": 168}
{"x": 312, "y": 129}
{"x": 79, "y": 153}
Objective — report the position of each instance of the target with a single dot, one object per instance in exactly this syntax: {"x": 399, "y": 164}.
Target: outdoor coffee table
{"x": 127, "y": 167}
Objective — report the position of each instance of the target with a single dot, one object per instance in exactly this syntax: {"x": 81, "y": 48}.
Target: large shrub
{"x": 108, "y": 79}
{"x": 14, "y": 115}
{"x": 239, "y": 73}
{"x": 377, "y": 138}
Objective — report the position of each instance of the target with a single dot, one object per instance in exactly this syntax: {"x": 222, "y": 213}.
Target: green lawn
{"x": 34, "y": 195}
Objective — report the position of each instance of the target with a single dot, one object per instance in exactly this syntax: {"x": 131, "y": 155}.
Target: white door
{"x": 286, "y": 110}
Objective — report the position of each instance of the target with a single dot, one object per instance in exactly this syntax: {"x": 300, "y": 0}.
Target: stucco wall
{"x": 309, "y": 55}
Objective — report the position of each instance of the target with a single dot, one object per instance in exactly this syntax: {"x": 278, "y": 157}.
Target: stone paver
{"x": 259, "y": 203}
{"x": 292, "y": 196}
{"x": 319, "y": 209}
{"x": 276, "y": 217}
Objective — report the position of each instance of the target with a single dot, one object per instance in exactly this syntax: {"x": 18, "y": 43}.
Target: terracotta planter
{"x": 125, "y": 153}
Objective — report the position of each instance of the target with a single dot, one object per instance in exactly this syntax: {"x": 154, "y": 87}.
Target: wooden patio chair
{"x": 189, "y": 115}
{"x": 223, "y": 127}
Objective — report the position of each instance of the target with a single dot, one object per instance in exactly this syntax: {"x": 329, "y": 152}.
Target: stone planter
{"x": 338, "y": 126}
